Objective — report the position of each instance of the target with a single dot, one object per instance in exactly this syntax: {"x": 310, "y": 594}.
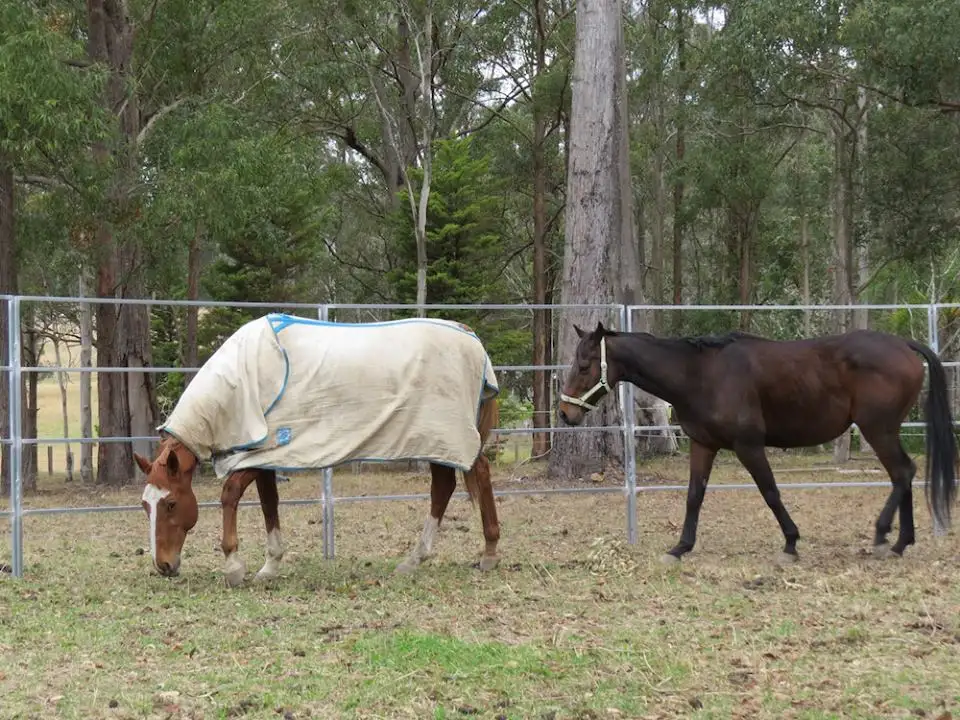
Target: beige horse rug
{"x": 292, "y": 393}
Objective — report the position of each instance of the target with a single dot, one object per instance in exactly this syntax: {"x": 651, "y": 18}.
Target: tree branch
{"x": 39, "y": 181}
{"x": 141, "y": 136}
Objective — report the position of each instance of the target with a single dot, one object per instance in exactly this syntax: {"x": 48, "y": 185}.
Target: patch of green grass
{"x": 567, "y": 626}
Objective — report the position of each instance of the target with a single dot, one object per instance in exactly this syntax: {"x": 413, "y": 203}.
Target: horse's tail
{"x": 489, "y": 418}
{"x": 941, "y": 488}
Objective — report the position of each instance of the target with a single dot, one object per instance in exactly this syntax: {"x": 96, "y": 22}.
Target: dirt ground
{"x": 575, "y": 623}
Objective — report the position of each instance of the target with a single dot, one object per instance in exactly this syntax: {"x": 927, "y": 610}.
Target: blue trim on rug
{"x": 284, "y": 468}
{"x": 281, "y": 321}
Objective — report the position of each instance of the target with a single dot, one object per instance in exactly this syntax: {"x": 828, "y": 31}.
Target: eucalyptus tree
{"x": 600, "y": 259}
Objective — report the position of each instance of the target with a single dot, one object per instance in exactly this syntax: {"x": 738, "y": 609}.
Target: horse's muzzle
{"x": 168, "y": 569}
{"x": 571, "y": 415}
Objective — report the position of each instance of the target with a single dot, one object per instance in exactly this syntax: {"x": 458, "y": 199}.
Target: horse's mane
{"x": 711, "y": 342}
{"x": 718, "y": 342}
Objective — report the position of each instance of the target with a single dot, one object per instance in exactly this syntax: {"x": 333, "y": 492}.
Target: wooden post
{"x": 49, "y": 459}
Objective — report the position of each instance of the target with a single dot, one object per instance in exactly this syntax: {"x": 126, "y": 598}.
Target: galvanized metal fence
{"x": 624, "y": 318}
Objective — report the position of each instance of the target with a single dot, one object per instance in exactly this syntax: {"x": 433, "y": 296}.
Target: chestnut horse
{"x": 744, "y": 393}
{"x": 171, "y": 505}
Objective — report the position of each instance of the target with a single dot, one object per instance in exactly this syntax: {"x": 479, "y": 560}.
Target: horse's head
{"x": 169, "y": 501}
{"x": 587, "y": 381}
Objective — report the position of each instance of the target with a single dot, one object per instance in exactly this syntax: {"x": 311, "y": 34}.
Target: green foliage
{"x": 465, "y": 246}
{"x": 166, "y": 332}
{"x": 467, "y": 252}
{"x": 48, "y": 110}
{"x": 513, "y": 410}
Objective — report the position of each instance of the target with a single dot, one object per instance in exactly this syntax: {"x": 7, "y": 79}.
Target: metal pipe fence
{"x": 624, "y": 318}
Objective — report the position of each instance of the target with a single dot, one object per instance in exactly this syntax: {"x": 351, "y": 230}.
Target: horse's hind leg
{"x": 270, "y": 504}
{"x": 480, "y": 473}
{"x": 233, "y": 488}
{"x": 901, "y": 469}
{"x": 443, "y": 482}
{"x": 754, "y": 459}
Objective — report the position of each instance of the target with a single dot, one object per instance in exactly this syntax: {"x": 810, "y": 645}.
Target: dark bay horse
{"x": 744, "y": 393}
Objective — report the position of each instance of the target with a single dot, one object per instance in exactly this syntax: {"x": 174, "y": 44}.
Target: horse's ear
{"x": 143, "y": 463}
{"x": 173, "y": 463}
{"x": 580, "y": 333}
{"x": 600, "y": 329}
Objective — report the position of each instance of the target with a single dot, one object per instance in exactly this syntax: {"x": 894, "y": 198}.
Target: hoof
{"x": 262, "y": 577}
{"x": 235, "y": 571}
{"x": 883, "y": 551}
{"x": 669, "y": 560}
{"x": 405, "y": 568}
{"x": 489, "y": 562}
{"x": 785, "y": 558}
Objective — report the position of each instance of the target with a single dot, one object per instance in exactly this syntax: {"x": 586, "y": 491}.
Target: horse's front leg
{"x": 270, "y": 504}
{"x": 443, "y": 483}
{"x": 701, "y": 464}
{"x": 233, "y": 488}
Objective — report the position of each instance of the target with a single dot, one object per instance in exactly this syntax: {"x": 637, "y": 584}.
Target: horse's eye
{"x": 171, "y": 505}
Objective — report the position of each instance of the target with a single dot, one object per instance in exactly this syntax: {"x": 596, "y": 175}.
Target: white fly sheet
{"x": 292, "y": 393}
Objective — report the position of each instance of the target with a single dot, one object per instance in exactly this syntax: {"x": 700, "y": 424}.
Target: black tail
{"x": 941, "y": 442}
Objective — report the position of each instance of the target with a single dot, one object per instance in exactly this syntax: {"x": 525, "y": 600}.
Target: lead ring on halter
{"x": 585, "y": 399}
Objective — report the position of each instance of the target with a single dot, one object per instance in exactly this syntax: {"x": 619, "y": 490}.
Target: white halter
{"x": 584, "y": 400}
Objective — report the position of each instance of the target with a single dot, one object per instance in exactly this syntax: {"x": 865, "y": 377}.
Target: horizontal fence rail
{"x": 623, "y": 317}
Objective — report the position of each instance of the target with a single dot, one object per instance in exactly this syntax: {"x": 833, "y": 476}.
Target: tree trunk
{"x": 142, "y": 409}
{"x": 600, "y": 257}
{"x": 86, "y": 360}
{"x": 861, "y": 318}
{"x": 127, "y": 404}
{"x": 805, "y": 259}
{"x": 657, "y": 217}
{"x": 843, "y": 246}
{"x": 64, "y": 410}
{"x": 8, "y": 286}
{"x": 678, "y": 184}
{"x": 31, "y": 345}
{"x": 190, "y": 350}
{"x": 542, "y": 320}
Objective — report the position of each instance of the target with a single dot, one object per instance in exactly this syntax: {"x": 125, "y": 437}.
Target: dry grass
{"x": 574, "y": 623}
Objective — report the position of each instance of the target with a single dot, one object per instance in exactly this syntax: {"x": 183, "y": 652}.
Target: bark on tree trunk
{"x": 861, "y": 318}
{"x": 8, "y": 286}
{"x": 190, "y": 351}
{"x": 805, "y": 258}
{"x": 127, "y": 404}
{"x": 657, "y": 216}
{"x": 86, "y": 360}
{"x": 844, "y": 157}
{"x": 600, "y": 258}
{"x": 542, "y": 319}
{"x": 30, "y": 343}
{"x": 64, "y": 411}
{"x": 678, "y": 185}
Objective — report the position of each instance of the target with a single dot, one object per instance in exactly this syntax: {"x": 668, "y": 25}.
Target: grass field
{"x": 573, "y": 624}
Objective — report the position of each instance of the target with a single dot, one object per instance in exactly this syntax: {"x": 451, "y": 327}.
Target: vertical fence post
{"x": 326, "y": 496}
{"x": 16, "y": 434}
{"x": 629, "y": 440}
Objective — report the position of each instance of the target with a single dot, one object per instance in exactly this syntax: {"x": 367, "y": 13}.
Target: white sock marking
{"x": 274, "y": 555}
{"x": 423, "y": 548}
{"x": 151, "y": 496}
